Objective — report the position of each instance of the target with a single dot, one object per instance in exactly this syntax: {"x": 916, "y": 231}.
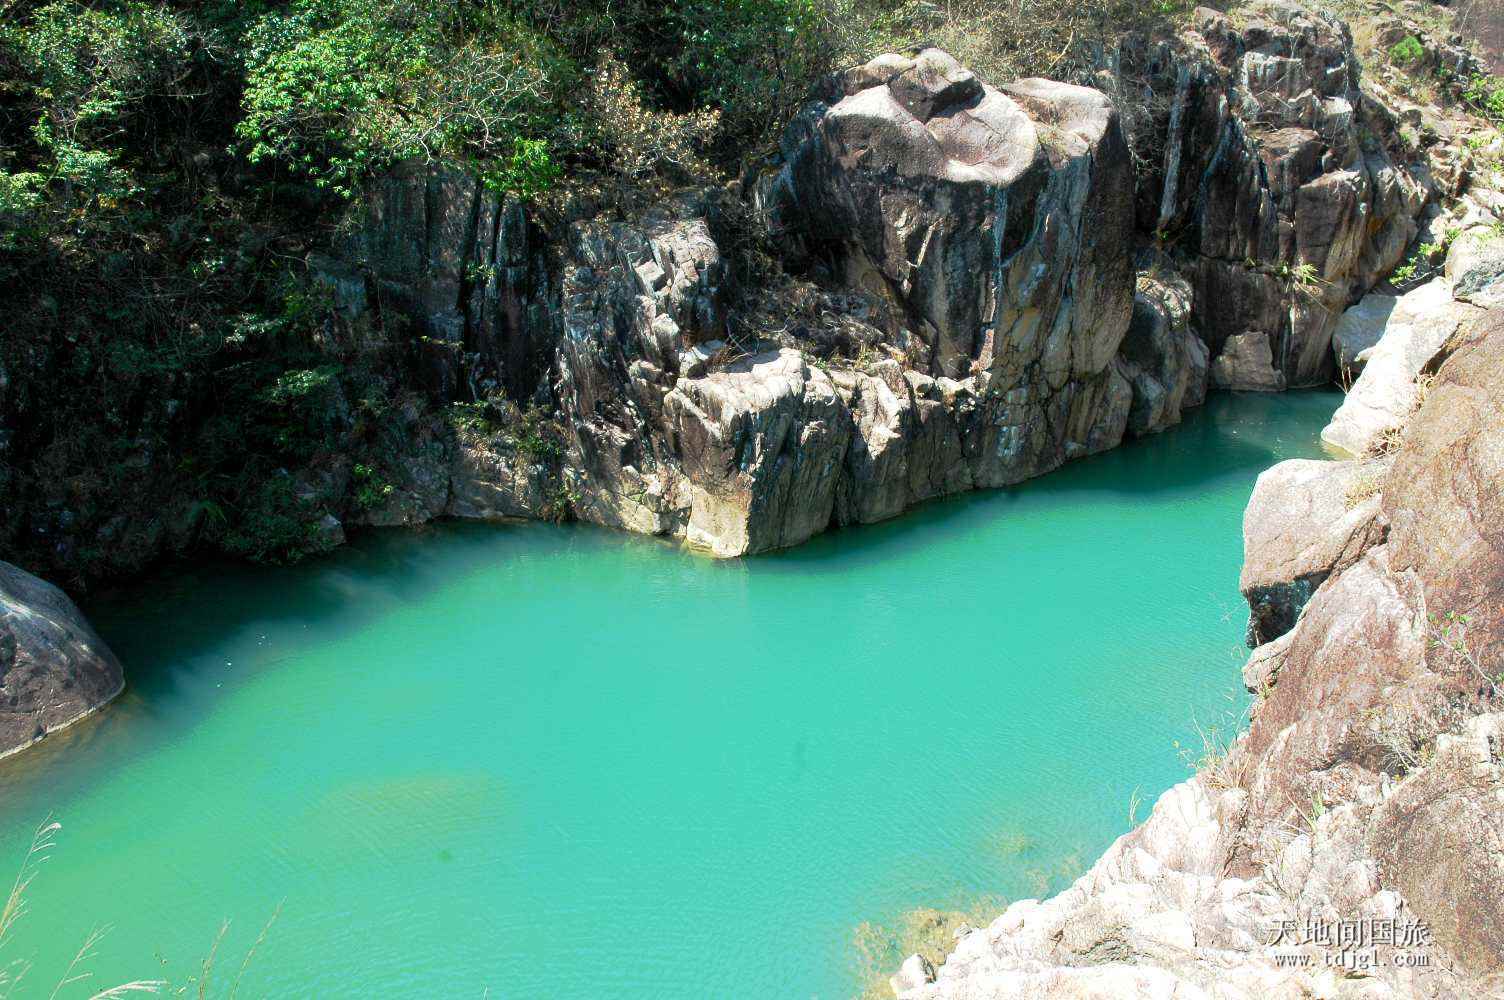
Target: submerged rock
{"x": 914, "y": 973}
{"x": 54, "y": 670}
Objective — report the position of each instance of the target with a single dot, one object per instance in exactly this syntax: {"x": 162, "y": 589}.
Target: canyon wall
{"x": 974, "y": 284}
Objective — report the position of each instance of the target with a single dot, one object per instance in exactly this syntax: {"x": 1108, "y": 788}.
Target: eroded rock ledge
{"x": 1369, "y": 783}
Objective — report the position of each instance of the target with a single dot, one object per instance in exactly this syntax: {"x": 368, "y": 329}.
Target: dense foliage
{"x": 167, "y": 168}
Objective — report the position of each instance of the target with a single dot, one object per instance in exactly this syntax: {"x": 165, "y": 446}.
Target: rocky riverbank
{"x": 1365, "y": 793}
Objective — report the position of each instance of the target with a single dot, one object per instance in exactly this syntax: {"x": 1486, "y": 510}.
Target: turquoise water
{"x": 565, "y": 763}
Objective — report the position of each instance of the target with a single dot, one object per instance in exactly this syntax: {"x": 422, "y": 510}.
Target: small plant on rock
{"x": 1408, "y": 51}
{"x": 1448, "y": 634}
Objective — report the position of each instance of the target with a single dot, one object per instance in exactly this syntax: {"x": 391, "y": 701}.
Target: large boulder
{"x": 1381, "y": 401}
{"x": 54, "y": 670}
{"x": 1161, "y": 356}
{"x": 1475, "y": 266}
{"x": 1247, "y": 363}
{"x": 1000, "y": 218}
{"x": 1306, "y": 520}
{"x": 1359, "y": 330}
{"x": 997, "y": 222}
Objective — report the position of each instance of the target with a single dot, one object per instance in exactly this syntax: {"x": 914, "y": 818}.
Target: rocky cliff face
{"x": 1367, "y": 787}
{"x": 974, "y": 285}
{"x": 53, "y": 669}
{"x": 1276, "y": 170}
{"x": 983, "y": 242}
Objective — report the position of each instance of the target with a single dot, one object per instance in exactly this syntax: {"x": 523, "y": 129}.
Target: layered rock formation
{"x": 1305, "y": 521}
{"x": 53, "y": 669}
{"x": 983, "y": 241}
{"x": 1367, "y": 787}
{"x": 1274, "y": 169}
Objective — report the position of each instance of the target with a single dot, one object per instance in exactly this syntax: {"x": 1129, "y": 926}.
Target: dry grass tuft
{"x": 1369, "y": 484}
{"x": 16, "y": 907}
{"x": 14, "y": 971}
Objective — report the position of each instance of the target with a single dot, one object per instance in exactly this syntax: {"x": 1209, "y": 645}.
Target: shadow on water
{"x": 1219, "y": 436}
{"x": 386, "y": 567}
{"x": 208, "y": 606}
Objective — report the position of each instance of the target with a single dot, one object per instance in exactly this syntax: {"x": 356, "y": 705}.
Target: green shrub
{"x": 86, "y": 75}
{"x": 1407, "y": 51}
{"x": 1485, "y": 94}
{"x": 275, "y": 524}
{"x": 754, "y": 61}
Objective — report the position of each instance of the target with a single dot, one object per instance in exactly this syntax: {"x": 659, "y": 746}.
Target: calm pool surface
{"x": 565, "y": 763}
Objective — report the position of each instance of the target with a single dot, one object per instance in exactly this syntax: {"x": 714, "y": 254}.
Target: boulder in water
{"x": 54, "y": 669}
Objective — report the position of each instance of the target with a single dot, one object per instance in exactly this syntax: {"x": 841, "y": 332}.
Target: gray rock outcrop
{"x": 984, "y": 287}
{"x": 1276, "y": 172}
{"x": 1475, "y": 266}
{"x": 54, "y": 670}
{"x": 1359, "y": 330}
{"x": 1387, "y": 391}
{"x": 977, "y": 282}
{"x": 1164, "y": 359}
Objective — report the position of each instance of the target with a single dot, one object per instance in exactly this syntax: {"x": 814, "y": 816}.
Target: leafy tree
{"x": 336, "y": 88}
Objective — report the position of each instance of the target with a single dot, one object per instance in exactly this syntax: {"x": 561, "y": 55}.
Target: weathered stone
{"x": 1305, "y": 521}
{"x": 1246, "y": 362}
{"x": 1263, "y": 666}
{"x": 1385, "y": 395}
{"x": 488, "y": 484}
{"x": 54, "y": 670}
{"x": 938, "y": 191}
{"x": 1359, "y": 329}
{"x": 1281, "y": 178}
{"x": 1161, "y": 356}
{"x": 330, "y": 532}
{"x": 1475, "y": 266}
{"x": 419, "y": 493}
{"x": 914, "y": 973}
{"x": 763, "y": 443}
{"x": 1439, "y": 840}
